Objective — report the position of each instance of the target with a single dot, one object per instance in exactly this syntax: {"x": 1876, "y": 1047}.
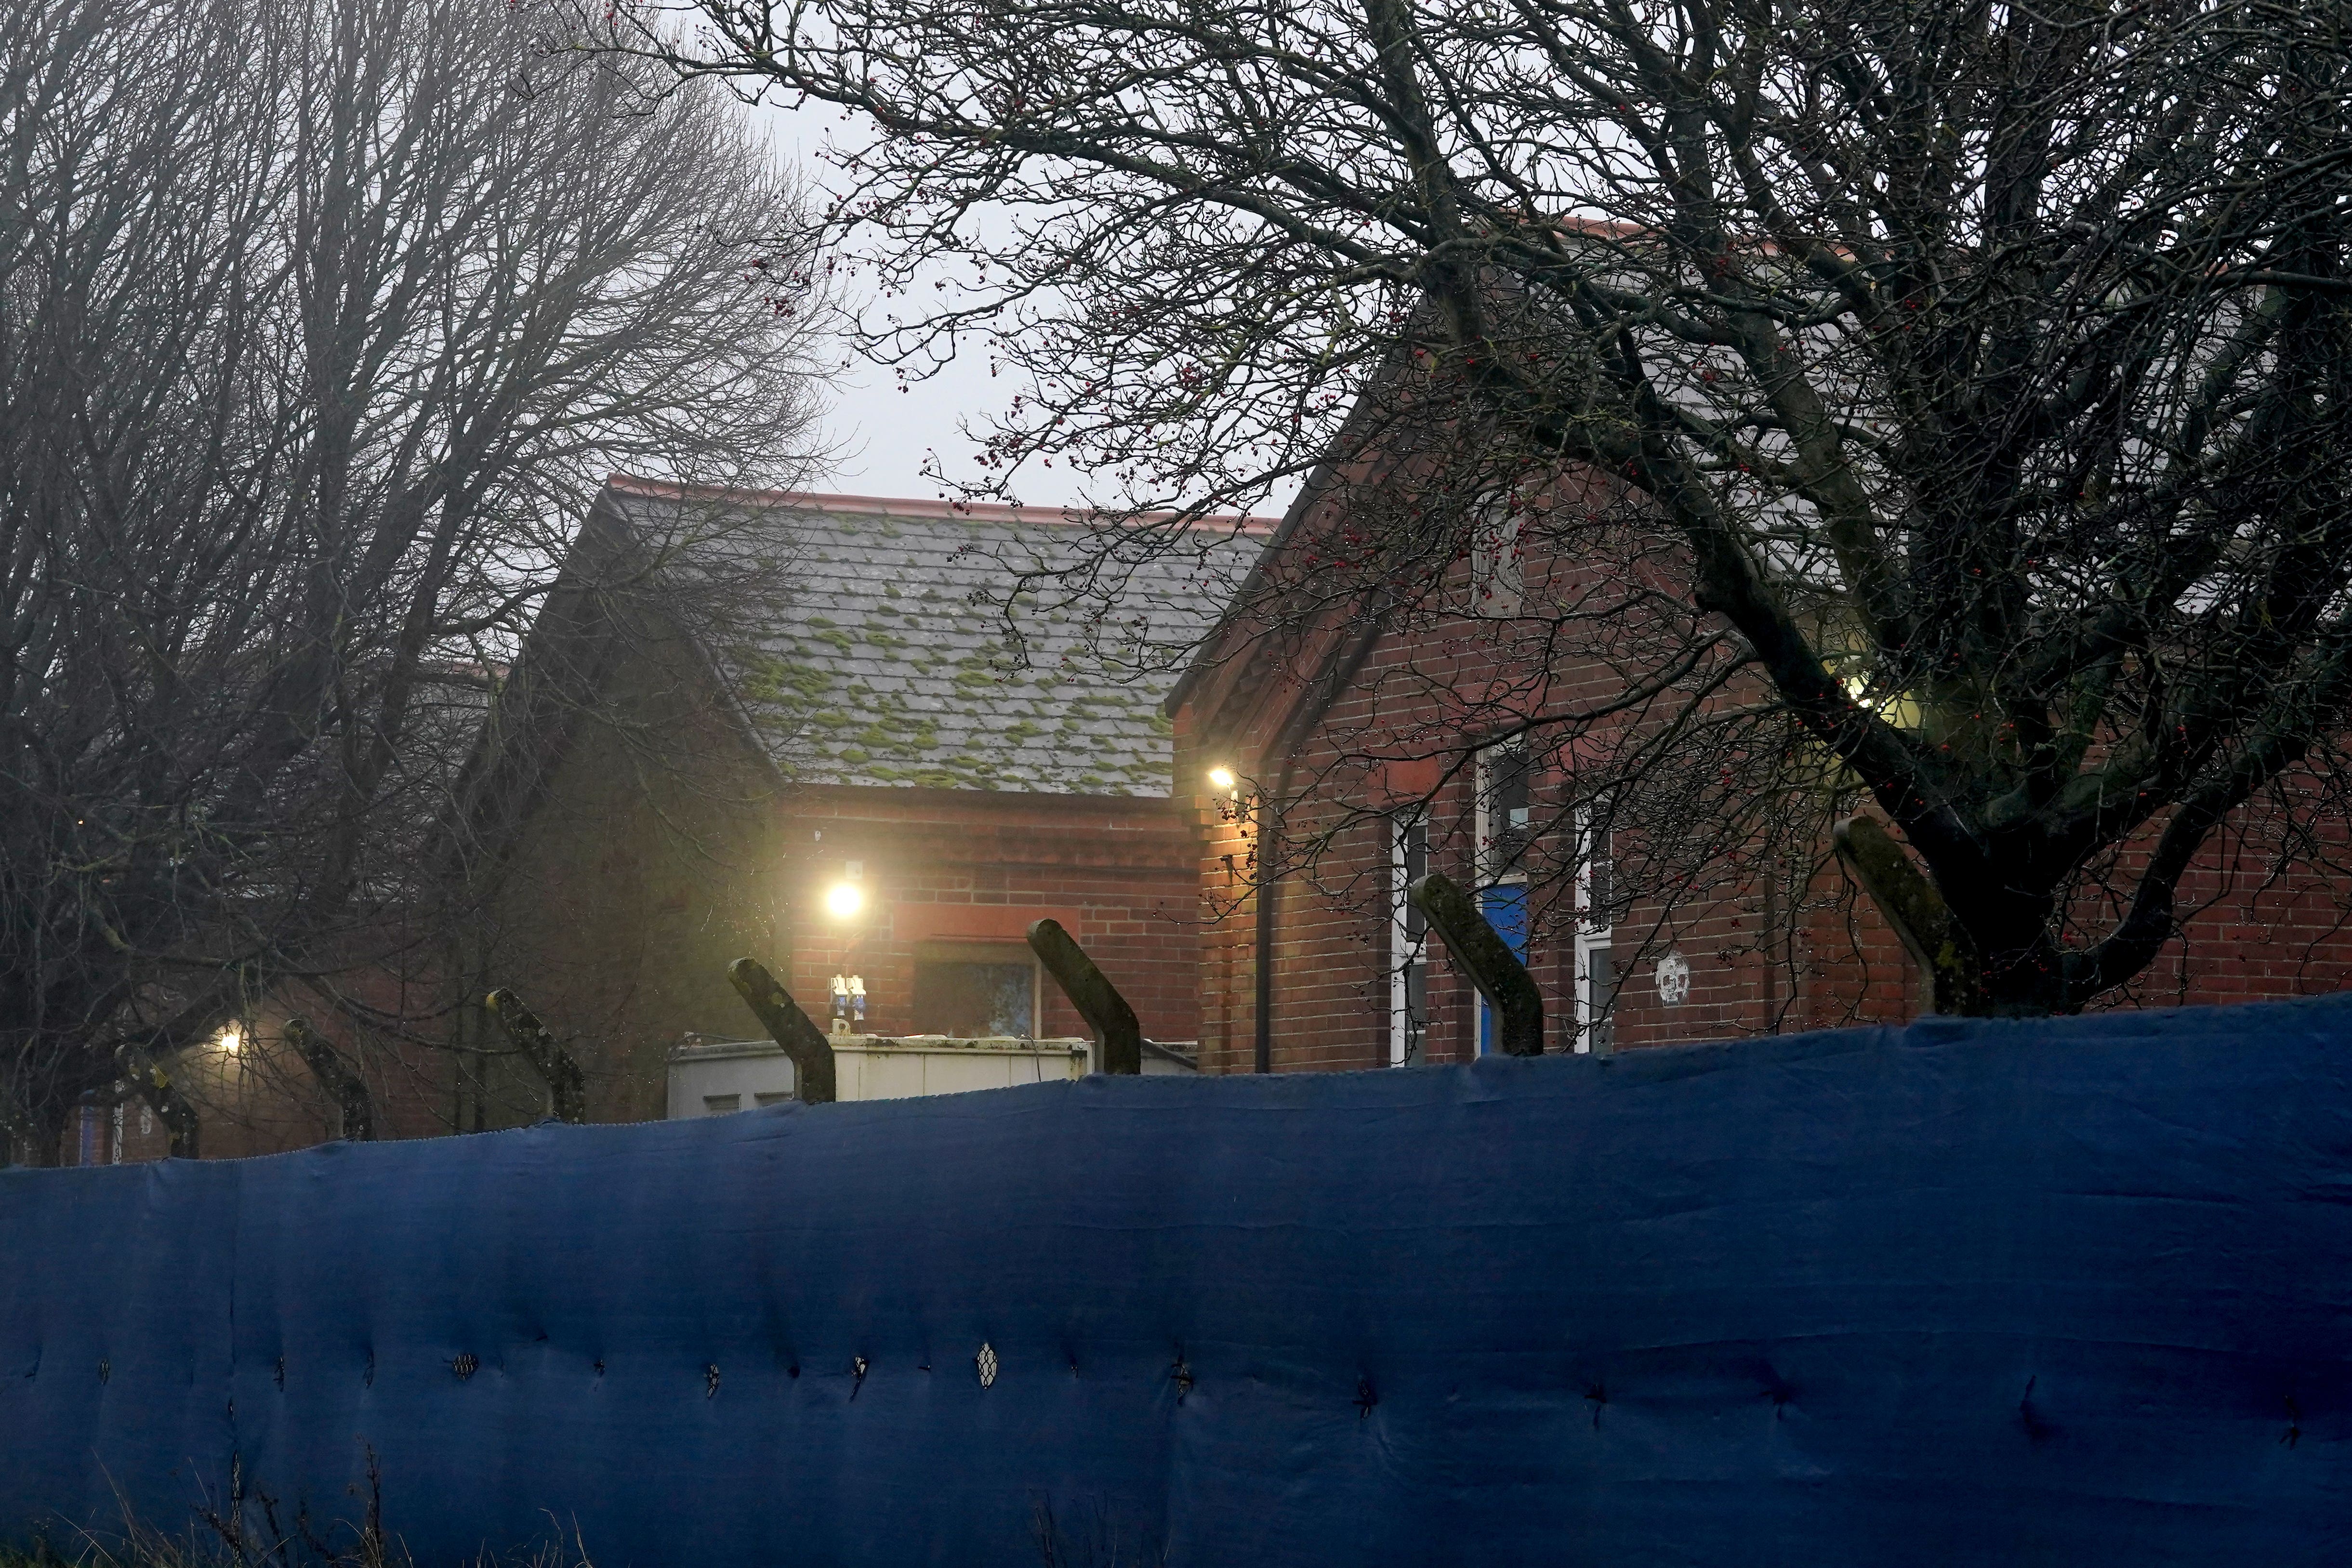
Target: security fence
{"x": 2070, "y": 1293}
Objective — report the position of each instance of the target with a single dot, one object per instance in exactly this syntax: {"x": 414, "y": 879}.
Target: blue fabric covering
{"x": 1990, "y": 1294}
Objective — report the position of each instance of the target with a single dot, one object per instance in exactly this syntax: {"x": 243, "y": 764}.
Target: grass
{"x": 251, "y": 1533}
{"x": 203, "y": 1548}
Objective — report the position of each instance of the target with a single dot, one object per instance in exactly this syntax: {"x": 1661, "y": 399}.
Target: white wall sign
{"x": 1673, "y": 980}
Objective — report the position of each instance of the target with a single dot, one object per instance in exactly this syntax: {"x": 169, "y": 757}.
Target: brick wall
{"x": 974, "y": 868}
{"x": 659, "y": 850}
{"x": 1768, "y": 949}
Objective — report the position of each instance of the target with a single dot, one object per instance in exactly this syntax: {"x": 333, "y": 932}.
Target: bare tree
{"x": 1960, "y": 387}
{"x": 319, "y": 324}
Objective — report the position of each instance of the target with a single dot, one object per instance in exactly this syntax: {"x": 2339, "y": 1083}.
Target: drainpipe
{"x": 1269, "y": 846}
{"x": 1286, "y": 742}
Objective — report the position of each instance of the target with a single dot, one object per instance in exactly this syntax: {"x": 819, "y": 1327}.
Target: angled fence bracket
{"x": 812, "y": 1053}
{"x": 1091, "y": 992}
{"x": 153, "y": 1083}
{"x": 1493, "y": 967}
{"x": 337, "y": 1077}
{"x": 567, "y": 1090}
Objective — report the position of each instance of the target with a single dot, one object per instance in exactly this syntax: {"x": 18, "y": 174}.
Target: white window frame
{"x": 1405, "y": 951}
{"x": 1591, "y": 934}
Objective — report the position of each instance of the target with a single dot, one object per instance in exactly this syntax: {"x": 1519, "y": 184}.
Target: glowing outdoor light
{"x": 843, "y": 900}
{"x": 230, "y": 1038}
{"x": 1221, "y": 778}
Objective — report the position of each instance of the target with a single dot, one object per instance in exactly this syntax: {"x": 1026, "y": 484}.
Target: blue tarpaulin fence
{"x": 2068, "y": 1292}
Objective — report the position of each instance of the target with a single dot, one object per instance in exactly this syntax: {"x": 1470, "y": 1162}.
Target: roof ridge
{"x": 903, "y": 659}
{"x": 910, "y": 506}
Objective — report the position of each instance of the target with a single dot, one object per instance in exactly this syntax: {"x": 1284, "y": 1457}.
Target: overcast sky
{"x": 885, "y": 432}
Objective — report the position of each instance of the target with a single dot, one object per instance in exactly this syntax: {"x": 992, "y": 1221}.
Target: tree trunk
{"x": 1963, "y": 980}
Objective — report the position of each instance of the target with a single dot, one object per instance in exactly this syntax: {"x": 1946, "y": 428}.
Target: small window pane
{"x": 1503, "y": 800}
{"x": 721, "y": 1104}
{"x": 770, "y": 1099}
{"x": 1601, "y": 877}
{"x": 974, "y": 999}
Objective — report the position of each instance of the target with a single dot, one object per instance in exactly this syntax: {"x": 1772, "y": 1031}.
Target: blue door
{"x": 1505, "y": 909}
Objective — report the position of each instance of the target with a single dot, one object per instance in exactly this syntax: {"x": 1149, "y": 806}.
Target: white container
{"x": 884, "y": 1067}
{"x": 715, "y": 1078}
{"x": 711, "y": 1078}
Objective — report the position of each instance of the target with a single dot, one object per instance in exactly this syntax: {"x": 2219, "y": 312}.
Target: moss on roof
{"x": 977, "y": 677}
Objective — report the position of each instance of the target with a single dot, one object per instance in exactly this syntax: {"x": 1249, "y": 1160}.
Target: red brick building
{"x": 930, "y": 747}
{"x": 1325, "y": 738}
{"x": 918, "y": 753}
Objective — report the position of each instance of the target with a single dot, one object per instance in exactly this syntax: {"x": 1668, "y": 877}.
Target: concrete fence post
{"x": 1091, "y": 992}
{"x": 1493, "y": 967}
{"x": 337, "y": 1077}
{"x": 812, "y": 1053}
{"x": 567, "y": 1090}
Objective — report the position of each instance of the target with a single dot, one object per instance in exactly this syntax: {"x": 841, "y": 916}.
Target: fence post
{"x": 1091, "y": 992}
{"x": 181, "y": 1126}
{"x": 566, "y": 1089}
{"x": 337, "y": 1077}
{"x": 1494, "y": 968}
{"x": 789, "y": 1027}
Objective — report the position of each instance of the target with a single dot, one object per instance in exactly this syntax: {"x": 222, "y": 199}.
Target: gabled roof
{"x": 919, "y": 648}
{"x": 1252, "y": 664}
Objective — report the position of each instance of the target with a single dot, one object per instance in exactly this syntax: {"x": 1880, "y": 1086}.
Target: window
{"x": 1504, "y": 823}
{"x": 970, "y": 990}
{"x": 765, "y": 1101}
{"x": 1596, "y": 894}
{"x": 721, "y": 1104}
{"x": 1408, "y": 940}
{"x": 1498, "y": 564}
{"x": 1505, "y": 829}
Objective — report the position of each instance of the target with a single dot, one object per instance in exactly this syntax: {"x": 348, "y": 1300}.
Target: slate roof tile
{"x": 922, "y": 658}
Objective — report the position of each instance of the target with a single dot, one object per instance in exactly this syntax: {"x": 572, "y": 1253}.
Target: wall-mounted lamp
{"x": 843, "y": 900}
{"x": 1222, "y": 780}
{"x": 230, "y": 1038}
